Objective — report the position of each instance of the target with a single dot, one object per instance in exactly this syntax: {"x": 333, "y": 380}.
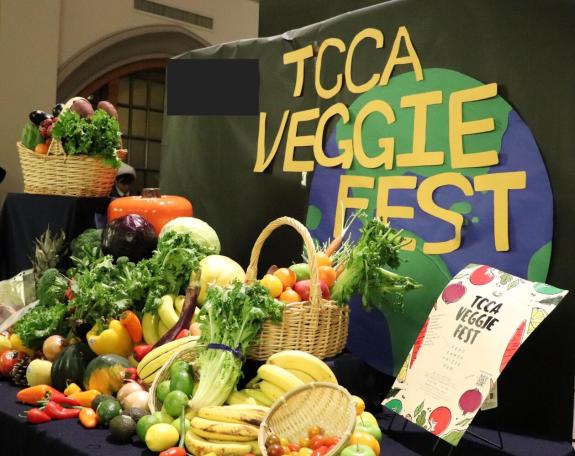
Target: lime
{"x": 144, "y": 424}
{"x": 175, "y": 401}
{"x": 162, "y": 390}
{"x": 178, "y": 366}
{"x": 182, "y": 381}
{"x": 107, "y": 410}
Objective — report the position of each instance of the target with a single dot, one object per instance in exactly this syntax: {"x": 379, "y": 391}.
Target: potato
{"x": 82, "y": 107}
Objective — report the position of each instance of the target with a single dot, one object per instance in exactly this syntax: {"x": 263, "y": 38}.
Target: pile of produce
{"x": 104, "y": 329}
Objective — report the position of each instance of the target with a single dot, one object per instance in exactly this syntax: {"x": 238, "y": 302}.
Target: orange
{"x": 359, "y": 405}
{"x": 273, "y": 285}
{"x": 328, "y": 275}
{"x": 287, "y": 276}
{"x": 322, "y": 259}
{"x": 363, "y": 438}
{"x": 41, "y": 148}
{"x": 289, "y": 296}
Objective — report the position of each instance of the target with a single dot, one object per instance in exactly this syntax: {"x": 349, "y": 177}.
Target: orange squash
{"x": 155, "y": 208}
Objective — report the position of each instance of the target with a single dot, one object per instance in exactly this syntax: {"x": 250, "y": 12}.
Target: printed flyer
{"x": 475, "y": 327}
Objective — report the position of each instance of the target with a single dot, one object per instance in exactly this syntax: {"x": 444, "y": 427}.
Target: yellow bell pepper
{"x": 18, "y": 345}
{"x": 114, "y": 339}
{"x": 71, "y": 389}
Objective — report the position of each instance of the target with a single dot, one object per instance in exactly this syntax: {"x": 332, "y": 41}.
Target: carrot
{"x": 334, "y": 245}
{"x": 418, "y": 342}
{"x": 340, "y": 268}
{"x": 132, "y": 323}
{"x": 513, "y": 345}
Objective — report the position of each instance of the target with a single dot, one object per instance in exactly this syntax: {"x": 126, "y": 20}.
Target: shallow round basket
{"x": 70, "y": 175}
{"x": 326, "y": 405}
{"x": 188, "y": 354}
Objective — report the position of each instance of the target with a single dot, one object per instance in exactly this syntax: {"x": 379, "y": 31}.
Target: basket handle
{"x": 252, "y": 270}
{"x": 56, "y": 147}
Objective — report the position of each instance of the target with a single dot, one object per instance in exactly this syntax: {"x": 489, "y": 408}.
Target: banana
{"x": 200, "y": 447}
{"x": 151, "y": 364}
{"x": 270, "y": 390}
{"x": 162, "y": 328}
{"x": 237, "y": 397}
{"x": 259, "y": 396}
{"x": 167, "y": 312}
{"x": 295, "y": 359}
{"x": 149, "y": 325}
{"x": 279, "y": 376}
{"x": 233, "y": 414}
{"x": 303, "y": 376}
{"x": 254, "y": 444}
{"x": 235, "y": 432}
{"x": 253, "y": 381}
{"x": 179, "y": 304}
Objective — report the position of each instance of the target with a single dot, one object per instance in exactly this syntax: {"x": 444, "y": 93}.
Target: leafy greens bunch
{"x": 366, "y": 271}
{"x": 231, "y": 317}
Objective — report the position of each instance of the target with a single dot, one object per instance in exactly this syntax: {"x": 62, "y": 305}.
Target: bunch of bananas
{"x": 282, "y": 372}
{"x": 230, "y": 430}
{"x": 156, "y": 324}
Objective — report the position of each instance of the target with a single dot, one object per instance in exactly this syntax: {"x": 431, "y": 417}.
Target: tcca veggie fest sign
{"x": 434, "y": 152}
{"x": 474, "y": 329}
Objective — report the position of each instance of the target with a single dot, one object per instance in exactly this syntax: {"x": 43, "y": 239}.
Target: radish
{"x": 470, "y": 401}
{"x": 453, "y": 293}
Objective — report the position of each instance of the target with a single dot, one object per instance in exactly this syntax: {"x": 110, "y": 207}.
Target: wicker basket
{"x": 317, "y": 326}
{"x": 71, "y": 175}
{"x": 326, "y": 405}
{"x": 187, "y": 354}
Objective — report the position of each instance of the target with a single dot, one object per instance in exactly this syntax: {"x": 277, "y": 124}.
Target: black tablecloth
{"x": 25, "y": 217}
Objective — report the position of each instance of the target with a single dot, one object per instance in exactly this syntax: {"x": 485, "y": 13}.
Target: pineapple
{"x": 48, "y": 250}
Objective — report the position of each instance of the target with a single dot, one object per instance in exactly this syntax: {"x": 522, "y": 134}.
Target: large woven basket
{"x": 59, "y": 174}
{"x": 317, "y": 326}
{"x": 326, "y": 405}
{"x": 188, "y": 354}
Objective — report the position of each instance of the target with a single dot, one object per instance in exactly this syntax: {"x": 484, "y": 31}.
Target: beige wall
{"x": 38, "y": 38}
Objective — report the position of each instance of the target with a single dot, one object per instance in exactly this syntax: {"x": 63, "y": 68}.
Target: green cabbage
{"x": 198, "y": 230}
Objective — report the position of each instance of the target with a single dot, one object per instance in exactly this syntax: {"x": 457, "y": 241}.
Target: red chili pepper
{"x": 183, "y": 333}
{"x": 131, "y": 373}
{"x": 174, "y": 451}
{"x": 57, "y": 412}
{"x": 63, "y": 400}
{"x": 36, "y": 416}
{"x": 141, "y": 350}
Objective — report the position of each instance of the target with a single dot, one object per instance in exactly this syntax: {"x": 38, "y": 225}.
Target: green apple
{"x": 357, "y": 450}
{"x": 370, "y": 428}
{"x": 366, "y": 418}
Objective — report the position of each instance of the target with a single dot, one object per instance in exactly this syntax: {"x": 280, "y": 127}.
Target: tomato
{"x": 320, "y": 451}
{"x": 330, "y": 441}
{"x": 287, "y": 277}
{"x": 8, "y": 360}
{"x": 316, "y": 441}
{"x": 275, "y": 450}
{"x": 286, "y": 450}
{"x": 304, "y": 442}
{"x": 284, "y": 442}
{"x": 294, "y": 447}
{"x": 272, "y": 440}
{"x": 363, "y": 438}
{"x": 327, "y": 275}
{"x": 314, "y": 430}
{"x": 322, "y": 259}
{"x": 273, "y": 284}
{"x": 289, "y": 296}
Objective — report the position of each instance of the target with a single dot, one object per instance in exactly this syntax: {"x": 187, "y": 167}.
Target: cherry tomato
{"x": 286, "y": 450}
{"x": 322, "y": 259}
{"x": 304, "y": 442}
{"x": 275, "y": 450}
{"x": 284, "y": 442}
{"x": 272, "y": 440}
{"x": 320, "y": 451}
{"x": 294, "y": 447}
{"x": 287, "y": 277}
{"x": 289, "y": 296}
{"x": 331, "y": 441}
{"x": 273, "y": 284}
{"x": 328, "y": 275}
{"x": 316, "y": 441}
{"x": 314, "y": 430}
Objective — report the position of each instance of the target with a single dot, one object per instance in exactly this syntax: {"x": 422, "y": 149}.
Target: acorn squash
{"x": 70, "y": 364}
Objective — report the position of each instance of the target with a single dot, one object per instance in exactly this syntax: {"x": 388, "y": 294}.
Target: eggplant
{"x": 131, "y": 236}
{"x": 56, "y": 110}
{"x": 36, "y": 117}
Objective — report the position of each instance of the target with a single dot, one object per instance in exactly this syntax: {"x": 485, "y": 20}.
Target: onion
{"x": 138, "y": 399}
{"x": 52, "y": 347}
{"x": 126, "y": 390}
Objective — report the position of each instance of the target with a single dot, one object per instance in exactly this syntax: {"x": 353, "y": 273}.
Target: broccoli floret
{"x": 87, "y": 243}
{"x": 51, "y": 288}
